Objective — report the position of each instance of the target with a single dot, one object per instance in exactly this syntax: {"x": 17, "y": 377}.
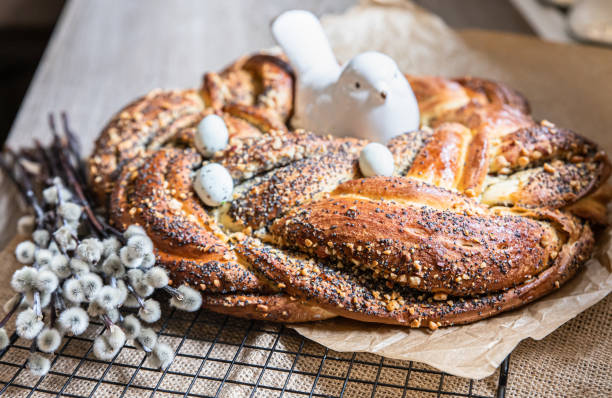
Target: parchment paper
{"x": 563, "y": 83}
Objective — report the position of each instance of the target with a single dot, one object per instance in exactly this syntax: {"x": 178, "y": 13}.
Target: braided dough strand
{"x": 487, "y": 209}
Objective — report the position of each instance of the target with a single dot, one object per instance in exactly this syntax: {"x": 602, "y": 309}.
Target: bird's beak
{"x": 383, "y": 91}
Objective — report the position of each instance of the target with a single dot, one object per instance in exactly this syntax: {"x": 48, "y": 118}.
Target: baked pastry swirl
{"x": 487, "y": 210}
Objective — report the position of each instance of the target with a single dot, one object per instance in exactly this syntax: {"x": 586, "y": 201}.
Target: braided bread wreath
{"x": 487, "y": 209}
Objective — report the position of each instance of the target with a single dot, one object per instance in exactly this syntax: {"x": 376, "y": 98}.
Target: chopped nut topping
{"x": 440, "y": 296}
{"x": 548, "y": 168}
{"x": 546, "y": 123}
{"x": 392, "y": 305}
{"x": 502, "y": 161}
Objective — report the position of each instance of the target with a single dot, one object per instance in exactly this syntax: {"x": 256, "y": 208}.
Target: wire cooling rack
{"x": 223, "y": 356}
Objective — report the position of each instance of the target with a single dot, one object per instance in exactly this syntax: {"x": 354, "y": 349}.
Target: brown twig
{"x": 72, "y": 180}
{"x": 50, "y": 166}
{"x": 174, "y": 292}
{"x": 23, "y": 180}
{"x": 114, "y": 231}
{"x": 107, "y": 321}
{"x": 130, "y": 289}
{"x": 75, "y": 148}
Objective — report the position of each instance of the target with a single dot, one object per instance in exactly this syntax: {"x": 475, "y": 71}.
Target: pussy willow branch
{"x": 75, "y": 148}
{"x": 62, "y": 159}
{"x": 50, "y": 167}
{"x": 61, "y": 148}
{"x": 21, "y": 178}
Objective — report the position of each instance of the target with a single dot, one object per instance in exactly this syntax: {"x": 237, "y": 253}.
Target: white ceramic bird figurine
{"x": 366, "y": 98}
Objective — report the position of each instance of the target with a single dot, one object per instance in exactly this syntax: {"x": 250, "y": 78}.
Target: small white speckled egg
{"x": 376, "y": 160}
{"x": 211, "y": 135}
{"x": 213, "y": 184}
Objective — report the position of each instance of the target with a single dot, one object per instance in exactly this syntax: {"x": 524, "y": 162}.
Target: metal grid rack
{"x": 223, "y": 356}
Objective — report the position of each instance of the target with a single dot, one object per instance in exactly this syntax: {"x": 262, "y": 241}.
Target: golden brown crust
{"x": 156, "y": 193}
{"x": 410, "y": 239}
{"x": 556, "y": 184}
{"x": 538, "y": 165}
{"x": 465, "y": 229}
{"x": 260, "y": 82}
{"x": 255, "y": 93}
{"x": 545, "y": 166}
{"x": 357, "y": 295}
{"x": 442, "y": 160}
{"x": 274, "y": 308}
{"x": 267, "y": 197}
{"x": 247, "y": 158}
{"x": 436, "y": 96}
{"x": 142, "y": 126}
{"x": 495, "y": 92}
{"x": 406, "y": 147}
{"x": 594, "y": 207}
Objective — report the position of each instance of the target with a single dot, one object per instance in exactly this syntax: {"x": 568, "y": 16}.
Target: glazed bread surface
{"x": 487, "y": 210}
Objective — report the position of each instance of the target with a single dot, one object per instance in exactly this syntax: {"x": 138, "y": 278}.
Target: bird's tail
{"x": 301, "y": 36}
